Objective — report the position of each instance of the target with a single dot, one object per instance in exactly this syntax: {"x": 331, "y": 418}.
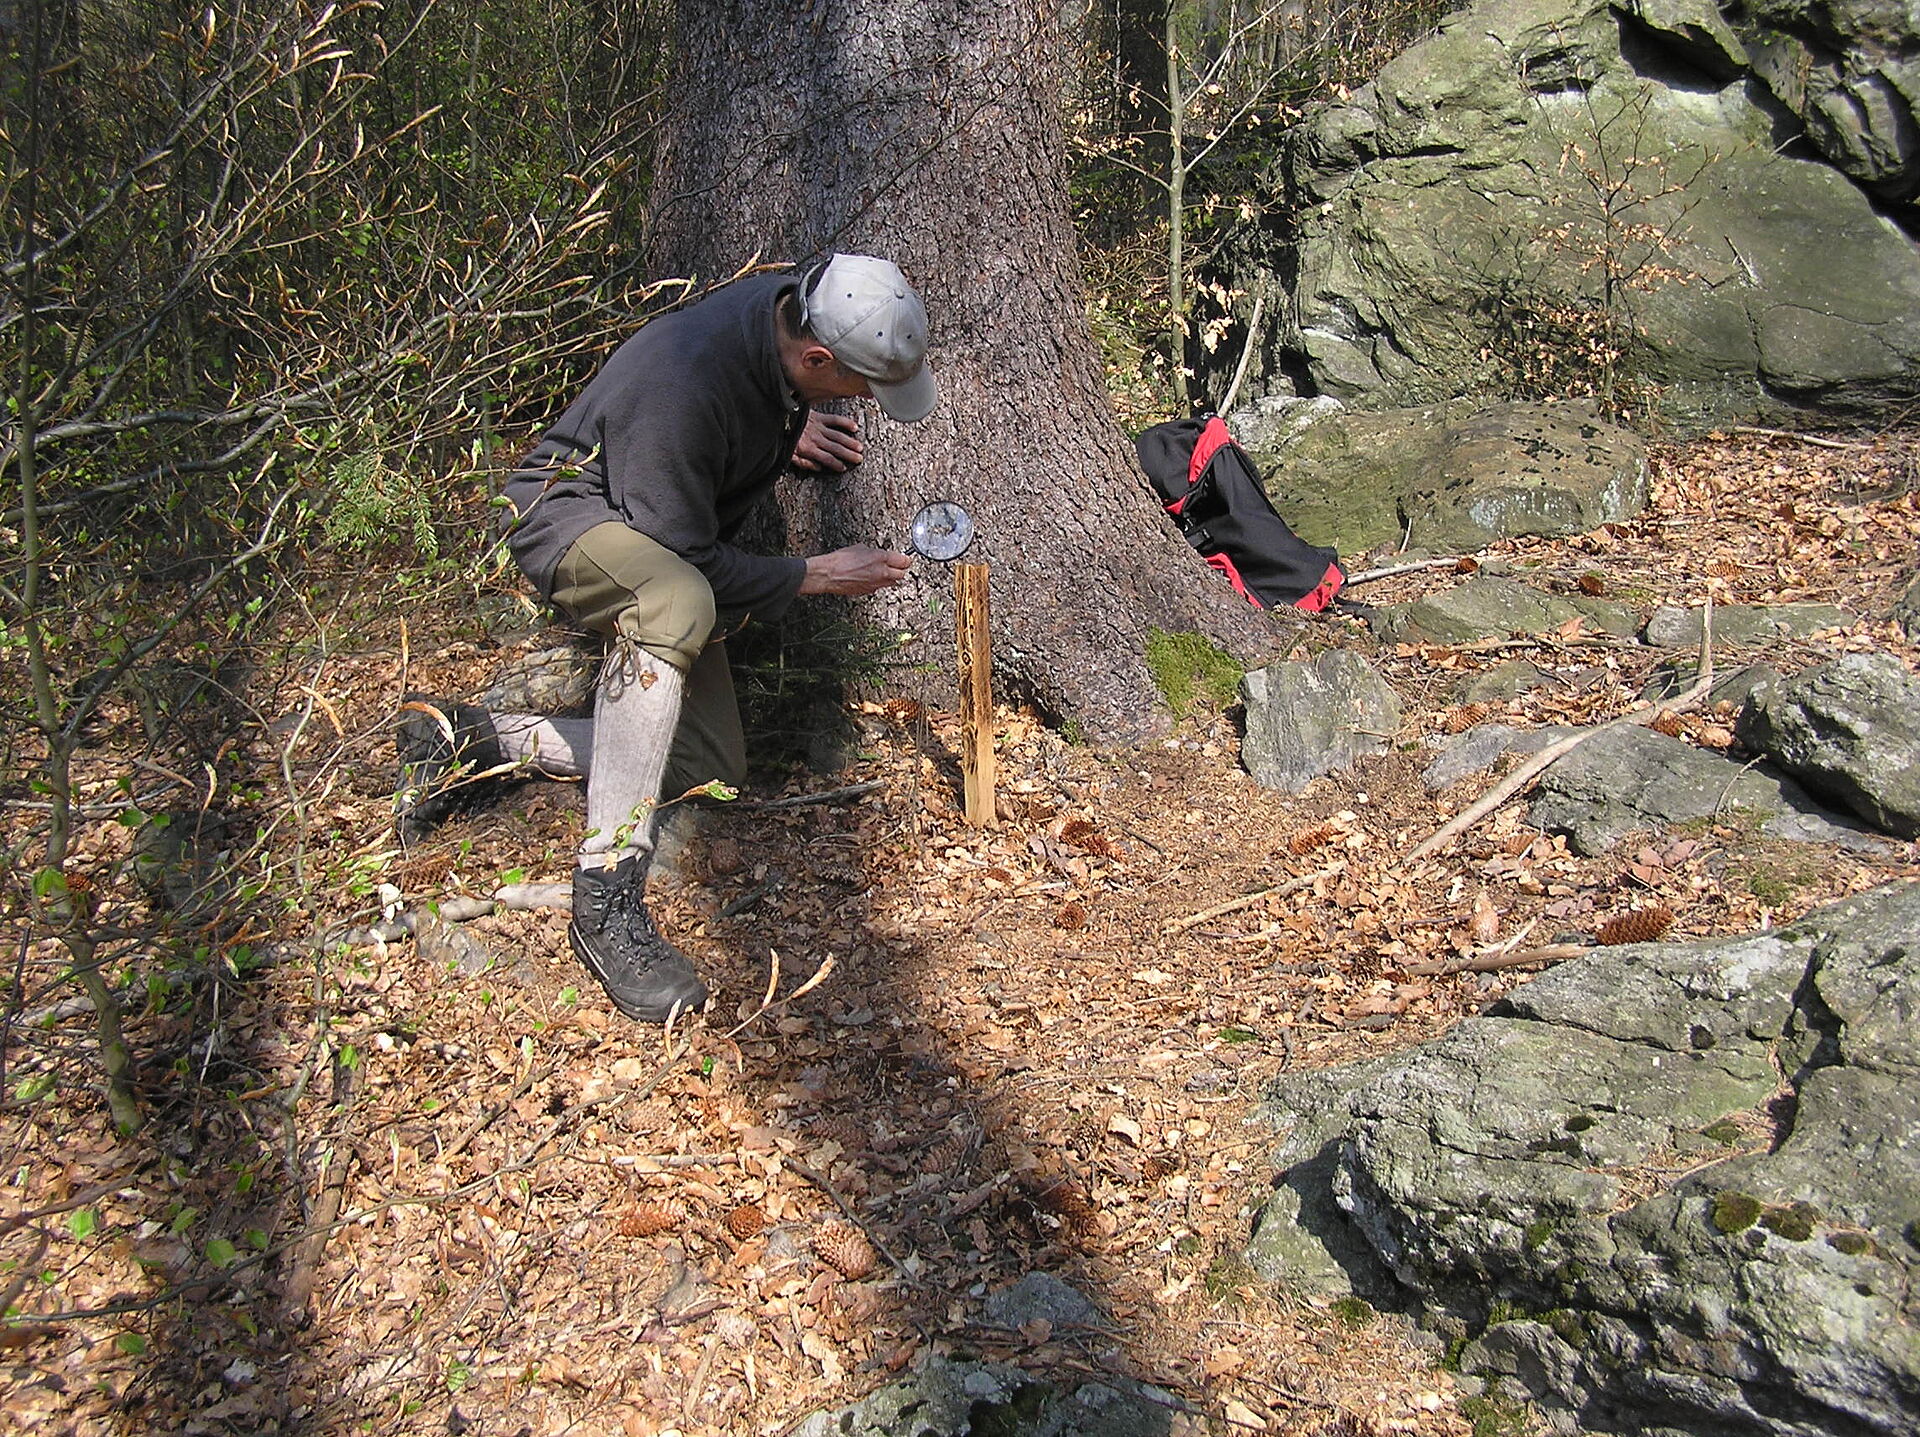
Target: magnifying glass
{"x": 941, "y": 531}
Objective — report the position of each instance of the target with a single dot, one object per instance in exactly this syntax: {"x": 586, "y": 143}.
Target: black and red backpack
{"x": 1210, "y": 487}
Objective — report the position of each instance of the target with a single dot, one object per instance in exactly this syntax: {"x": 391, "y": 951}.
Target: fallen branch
{"x": 1812, "y": 439}
{"x": 1547, "y": 757}
{"x": 774, "y": 881}
{"x": 297, "y": 1295}
{"x": 490, "y": 1114}
{"x": 521, "y": 897}
{"x": 804, "y": 800}
{"x": 75, "y": 1200}
{"x": 1494, "y": 962}
{"x": 846, "y": 1208}
{"x": 1367, "y": 576}
{"x": 1245, "y": 900}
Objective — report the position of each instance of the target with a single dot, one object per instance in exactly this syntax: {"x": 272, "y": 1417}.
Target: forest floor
{"x": 379, "y": 1192}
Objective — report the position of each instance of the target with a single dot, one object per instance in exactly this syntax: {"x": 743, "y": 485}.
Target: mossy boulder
{"x": 1489, "y": 606}
{"x": 1546, "y": 1178}
{"x": 1451, "y": 477}
{"x": 1704, "y": 210}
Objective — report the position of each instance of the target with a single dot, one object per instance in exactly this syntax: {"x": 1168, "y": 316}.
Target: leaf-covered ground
{"x": 441, "y": 1187}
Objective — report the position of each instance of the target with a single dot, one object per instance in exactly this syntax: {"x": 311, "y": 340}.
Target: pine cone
{"x": 1308, "y": 839}
{"x": 845, "y": 1249}
{"x": 1643, "y": 925}
{"x": 946, "y": 1157}
{"x": 1074, "y": 1208}
{"x": 850, "y": 1133}
{"x": 645, "y": 1219}
{"x": 1466, "y": 716}
{"x": 745, "y": 1221}
{"x": 1071, "y": 917}
{"x": 1076, "y": 831}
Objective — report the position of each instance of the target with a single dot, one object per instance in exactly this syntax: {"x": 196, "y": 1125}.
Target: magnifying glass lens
{"x": 942, "y": 531}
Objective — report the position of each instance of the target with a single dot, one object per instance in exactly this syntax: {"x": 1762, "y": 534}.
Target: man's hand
{"x": 830, "y": 442}
{"x": 856, "y": 569}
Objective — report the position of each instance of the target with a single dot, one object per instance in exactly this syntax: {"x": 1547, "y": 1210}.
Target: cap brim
{"x": 909, "y": 401}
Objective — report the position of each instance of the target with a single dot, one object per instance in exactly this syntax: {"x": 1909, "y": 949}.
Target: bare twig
{"x": 488, "y": 1115}
{"x": 846, "y": 1208}
{"x": 1367, "y": 576}
{"x": 79, "y": 1199}
{"x": 1274, "y": 890}
{"x": 1812, "y": 439}
{"x": 805, "y": 800}
{"x": 298, "y": 1292}
{"x": 1547, "y": 757}
{"x": 753, "y": 895}
{"x": 819, "y": 977}
{"x": 1246, "y": 354}
{"x": 1494, "y": 962}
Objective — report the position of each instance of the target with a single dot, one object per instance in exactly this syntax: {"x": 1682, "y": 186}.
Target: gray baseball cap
{"x": 864, "y": 310}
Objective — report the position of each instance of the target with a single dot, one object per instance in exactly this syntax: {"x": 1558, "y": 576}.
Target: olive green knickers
{"x": 615, "y": 581}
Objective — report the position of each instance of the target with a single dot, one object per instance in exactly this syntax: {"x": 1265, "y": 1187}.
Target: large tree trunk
{"x": 926, "y": 131}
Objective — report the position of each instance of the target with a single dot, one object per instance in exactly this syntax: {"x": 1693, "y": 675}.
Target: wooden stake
{"x": 976, "y": 691}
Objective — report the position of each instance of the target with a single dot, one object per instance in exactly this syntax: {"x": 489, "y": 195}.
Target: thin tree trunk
{"x": 1176, "y": 220}
{"x": 928, "y": 132}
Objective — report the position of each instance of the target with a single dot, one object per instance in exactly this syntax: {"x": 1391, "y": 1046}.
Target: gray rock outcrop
{"x": 1567, "y": 196}
{"x": 1730, "y": 685}
{"x": 1848, "y": 70}
{"x": 1741, "y": 626}
{"x": 1906, "y": 610}
{"x": 954, "y": 1398}
{"x": 1632, "y": 779}
{"x": 1449, "y": 477}
{"x": 1668, "y": 1188}
{"x": 1309, "y": 719}
{"x": 1850, "y": 731}
{"x": 1487, "y": 606}
{"x": 1481, "y": 747}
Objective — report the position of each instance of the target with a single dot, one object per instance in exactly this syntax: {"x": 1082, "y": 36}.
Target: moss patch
{"x": 1567, "y": 1326}
{"x": 1736, "y": 1212}
{"x": 1495, "y": 1415}
{"x": 1191, "y": 672}
{"x": 1794, "y": 1221}
{"x": 1226, "y": 1273}
{"x": 1353, "y": 1311}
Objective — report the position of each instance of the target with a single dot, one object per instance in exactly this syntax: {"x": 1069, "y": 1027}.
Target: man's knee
{"x": 615, "y": 580}
{"x": 671, "y": 618}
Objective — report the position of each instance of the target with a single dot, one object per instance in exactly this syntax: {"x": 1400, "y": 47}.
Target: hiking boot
{"x": 613, "y": 935}
{"x": 436, "y": 772}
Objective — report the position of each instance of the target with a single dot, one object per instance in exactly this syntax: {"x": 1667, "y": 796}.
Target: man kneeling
{"x": 624, "y": 516}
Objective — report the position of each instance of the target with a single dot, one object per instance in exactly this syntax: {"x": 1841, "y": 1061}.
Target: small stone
{"x": 451, "y": 946}
{"x": 1042, "y": 1297}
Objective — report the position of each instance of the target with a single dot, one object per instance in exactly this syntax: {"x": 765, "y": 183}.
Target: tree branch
{"x": 1547, "y": 757}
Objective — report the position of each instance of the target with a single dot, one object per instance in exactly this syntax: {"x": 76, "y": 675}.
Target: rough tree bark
{"x": 928, "y": 132}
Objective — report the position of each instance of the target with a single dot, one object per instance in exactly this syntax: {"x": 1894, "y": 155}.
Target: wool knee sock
{"x": 635, "y": 713}
{"x": 558, "y": 748}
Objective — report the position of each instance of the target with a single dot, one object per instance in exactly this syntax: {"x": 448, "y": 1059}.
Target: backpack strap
{"x": 1213, "y": 438}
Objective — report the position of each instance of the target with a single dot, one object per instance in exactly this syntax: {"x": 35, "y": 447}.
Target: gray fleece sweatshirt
{"x": 679, "y": 435}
